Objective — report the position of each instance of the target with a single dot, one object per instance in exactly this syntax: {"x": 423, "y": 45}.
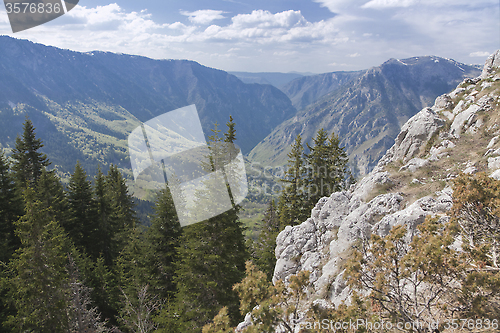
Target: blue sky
{"x": 276, "y": 35}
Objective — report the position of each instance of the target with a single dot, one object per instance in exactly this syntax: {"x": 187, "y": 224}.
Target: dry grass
{"x": 470, "y": 148}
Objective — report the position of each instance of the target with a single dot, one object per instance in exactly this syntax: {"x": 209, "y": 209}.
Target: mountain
{"x": 415, "y": 179}
{"x": 366, "y": 112}
{"x": 306, "y": 90}
{"x": 273, "y": 78}
{"x": 84, "y": 105}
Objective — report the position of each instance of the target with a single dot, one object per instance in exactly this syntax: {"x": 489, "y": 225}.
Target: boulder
{"x": 414, "y": 164}
{"x": 464, "y": 119}
{"x": 414, "y": 133}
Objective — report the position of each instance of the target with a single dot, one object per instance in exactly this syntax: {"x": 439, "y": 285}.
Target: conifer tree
{"x": 212, "y": 256}
{"x": 37, "y": 274}
{"x": 82, "y": 225}
{"x": 104, "y": 236}
{"x": 311, "y": 176}
{"x": 122, "y": 216}
{"x": 28, "y": 161}
{"x": 83, "y": 316}
{"x": 115, "y": 213}
{"x": 338, "y": 171}
{"x": 162, "y": 240}
{"x": 50, "y": 193}
{"x": 105, "y": 289}
{"x": 264, "y": 247}
{"x": 292, "y": 205}
{"x": 326, "y": 167}
{"x": 10, "y": 210}
{"x": 121, "y": 200}
{"x": 230, "y": 135}
{"x": 317, "y": 161}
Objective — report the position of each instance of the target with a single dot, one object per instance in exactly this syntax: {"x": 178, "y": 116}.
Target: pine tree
{"x": 162, "y": 240}
{"x": 50, "y": 193}
{"x": 293, "y": 205}
{"x": 37, "y": 274}
{"x": 339, "y": 175}
{"x": 327, "y": 167}
{"x": 115, "y": 214}
{"x": 317, "y": 161}
{"x": 212, "y": 256}
{"x": 28, "y": 161}
{"x": 82, "y": 225}
{"x": 104, "y": 235}
{"x": 311, "y": 176}
{"x": 121, "y": 200}
{"x": 105, "y": 289}
{"x": 264, "y": 247}
{"x": 115, "y": 242}
{"x": 230, "y": 135}
{"x": 10, "y": 210}
{"x": 122, "y": 215}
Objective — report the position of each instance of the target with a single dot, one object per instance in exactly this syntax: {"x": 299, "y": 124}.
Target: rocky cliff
{"x": 459, "y": 133}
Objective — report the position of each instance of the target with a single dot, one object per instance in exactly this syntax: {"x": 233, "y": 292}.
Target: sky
{"x": 306, "y": 36}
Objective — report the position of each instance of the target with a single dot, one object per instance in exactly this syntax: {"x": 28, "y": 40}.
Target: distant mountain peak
{"x": 366, "y": 108}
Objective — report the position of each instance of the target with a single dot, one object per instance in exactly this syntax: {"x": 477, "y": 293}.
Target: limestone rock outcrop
{"x": 413, "y": 180}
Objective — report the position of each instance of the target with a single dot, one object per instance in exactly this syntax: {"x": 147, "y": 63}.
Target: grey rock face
{"x": 365, "y": 186}
{"x": 465, "y": 118}
{"x": 323, "y": 242}
{"x": 414, "y": 133}
{"x": 492, "y": 62}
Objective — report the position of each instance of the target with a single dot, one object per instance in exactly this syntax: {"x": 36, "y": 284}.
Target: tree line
{"x": 75, "y": 258}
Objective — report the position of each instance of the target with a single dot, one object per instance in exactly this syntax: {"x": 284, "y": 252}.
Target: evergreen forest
{"x": 75, "y": 258}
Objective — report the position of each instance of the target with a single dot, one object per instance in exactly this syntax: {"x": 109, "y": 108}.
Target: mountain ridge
{"x": 87, "y": 103}
{"x": 368, "y": 111}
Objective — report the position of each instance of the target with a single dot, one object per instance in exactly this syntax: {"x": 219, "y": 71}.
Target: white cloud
{"x": 110, "y": 17}
{"x": 264, "y": 27}
{"x": 479, "y": 54}
{"x": 341, "y": 6}
{"x": 204, "y": 16}
{"x": 363, "y": 33}
{"x": 379, "y": 4}
{"x": 265, "y": 19}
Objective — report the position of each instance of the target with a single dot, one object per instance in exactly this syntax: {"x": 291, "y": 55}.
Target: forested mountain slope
{"x": 366, "y": 109}
{"x": 307, "y": 90}
{"x": 85, "y": 104}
